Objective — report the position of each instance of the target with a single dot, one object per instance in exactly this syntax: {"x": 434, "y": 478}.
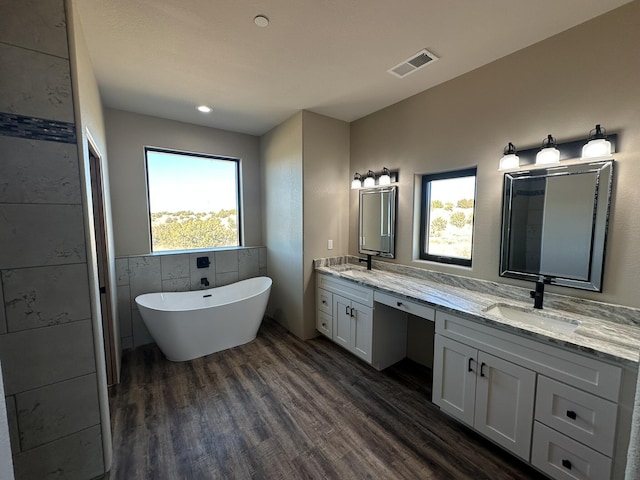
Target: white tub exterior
{"x": 188, "y": 325}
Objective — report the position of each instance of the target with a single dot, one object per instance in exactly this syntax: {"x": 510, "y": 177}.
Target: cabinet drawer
{"x": 590, "y": 420}
{"x": 324, "y": 323}
{"x": 565, "y": 459}
{"x": 405, "y": 305}
{"x": 324, "y": 300}
{"x": 347, "y": 289}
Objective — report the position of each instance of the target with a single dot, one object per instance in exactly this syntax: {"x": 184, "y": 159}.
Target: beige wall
{"x": 281, "y": 157}
{"x": 326, "y": 199}
{"x": 128, "y": 134}
{"x": 563, "y": 86}
{"x": 305, "y": 163}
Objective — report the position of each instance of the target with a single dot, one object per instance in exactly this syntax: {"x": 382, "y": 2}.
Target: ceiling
{"x": 165, "y": 57}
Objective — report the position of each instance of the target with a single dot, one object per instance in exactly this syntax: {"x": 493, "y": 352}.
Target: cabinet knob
{"x": 324, "y": 302}
{"x": 571, "y": 414}
{"x": 324, "y": 325}
{"x": 566, "y": 464}
{"x": 399, "y": 304}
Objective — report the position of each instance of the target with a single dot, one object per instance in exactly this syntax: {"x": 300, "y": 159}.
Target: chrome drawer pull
{"x": 571, "y": 414}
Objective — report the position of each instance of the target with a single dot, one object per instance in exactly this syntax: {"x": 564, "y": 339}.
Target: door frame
{"x": 103, "y": 267}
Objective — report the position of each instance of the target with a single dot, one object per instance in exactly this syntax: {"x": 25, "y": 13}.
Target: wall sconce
{"x": 357, "y": 181}
{"x": 369, "y": 180}
{"x": 548, "y": 153}
{"x": 509, "y": 160}
{"x": 385, "y": 178}
{"x": 599, "y": 144}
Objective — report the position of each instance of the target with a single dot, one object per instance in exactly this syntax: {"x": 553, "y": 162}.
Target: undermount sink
{"x": 355, "y": 273}
{"x": 534, "y": 318}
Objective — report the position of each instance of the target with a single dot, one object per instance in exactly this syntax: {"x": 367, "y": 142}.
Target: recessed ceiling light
{"x": 204, "y": 109}
{"x": 261, "y": 21}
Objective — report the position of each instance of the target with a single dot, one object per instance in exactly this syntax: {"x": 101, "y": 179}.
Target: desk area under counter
{"x": 574, "y": 389}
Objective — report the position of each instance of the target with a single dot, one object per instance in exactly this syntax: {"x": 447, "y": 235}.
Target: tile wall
{"x": 177, "y": 272}
{"x": 46, "y": 336}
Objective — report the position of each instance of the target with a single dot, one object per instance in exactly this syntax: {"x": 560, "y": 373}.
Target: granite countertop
{"x": 594, "y": 335}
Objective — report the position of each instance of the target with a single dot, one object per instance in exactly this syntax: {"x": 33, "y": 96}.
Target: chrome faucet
{"x": 538, "y": 293}
{"x": 368, "y": 260}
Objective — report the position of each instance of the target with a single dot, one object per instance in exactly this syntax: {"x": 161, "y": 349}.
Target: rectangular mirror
{"x": 554, "y": 223}
{"x": 378, "y": 221}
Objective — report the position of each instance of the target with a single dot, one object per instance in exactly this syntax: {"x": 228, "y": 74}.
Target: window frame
{"x": 425, "y": 220}
{"x": 239, "y": 212}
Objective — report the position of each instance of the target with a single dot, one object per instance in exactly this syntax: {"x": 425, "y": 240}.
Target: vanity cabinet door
{"x": 342, "y": 321}
{"x": 505, "y": 395}
{"x": 454, "y": 378}
{"x": 362, "y": 331}
{"x": 353, "y": 326}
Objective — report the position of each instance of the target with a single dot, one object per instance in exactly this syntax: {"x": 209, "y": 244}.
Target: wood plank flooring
{"x": 280, "y": 408}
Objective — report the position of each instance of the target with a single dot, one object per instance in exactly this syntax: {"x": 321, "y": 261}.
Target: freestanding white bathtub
{"x": 188, "y": 325}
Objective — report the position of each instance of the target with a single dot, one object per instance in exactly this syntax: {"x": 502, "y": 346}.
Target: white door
{"x": 362, "y": 331}
{"x": 342, "y": 319}
{"x": 504, "y": 403}
{"x": 454, "y": 378}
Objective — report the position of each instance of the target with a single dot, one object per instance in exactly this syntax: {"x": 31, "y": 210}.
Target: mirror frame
{"x": 393, "y": 194}
{"x": 602, "y": 203}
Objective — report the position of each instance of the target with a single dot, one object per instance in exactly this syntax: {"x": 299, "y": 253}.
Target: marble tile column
{"x": 46, "y": 330}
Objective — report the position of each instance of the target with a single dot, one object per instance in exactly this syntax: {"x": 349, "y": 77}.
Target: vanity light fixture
{"x": 385, "y": 178}
{"x": 369, "y": 180}
{"x": 510, "y": 159}
{"x": 597, "y": 145}
{"x": 548, "y": 154}
{"x": 357, "y": 181}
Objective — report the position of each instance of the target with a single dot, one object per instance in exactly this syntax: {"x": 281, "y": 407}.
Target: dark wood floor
{"x": 280, "y": 408}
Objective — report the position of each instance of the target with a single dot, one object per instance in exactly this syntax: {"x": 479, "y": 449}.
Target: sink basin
{"x": 534, "y": 318}
{"x": 355, "y": 273}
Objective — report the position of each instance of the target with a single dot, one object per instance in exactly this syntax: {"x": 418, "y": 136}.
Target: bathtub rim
{"x": 203, "y": 293}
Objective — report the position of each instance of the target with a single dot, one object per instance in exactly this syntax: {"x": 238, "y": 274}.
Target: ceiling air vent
{"x": 413, "y": 63}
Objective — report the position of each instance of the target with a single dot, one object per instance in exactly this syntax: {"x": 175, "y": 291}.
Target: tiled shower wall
{"x": 46, "y": 336}
{"x": 177, "y": 272}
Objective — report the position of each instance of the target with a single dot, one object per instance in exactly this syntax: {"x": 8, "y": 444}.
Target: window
{"x": 194, "y": 200}
{"x": 447, "y": 211}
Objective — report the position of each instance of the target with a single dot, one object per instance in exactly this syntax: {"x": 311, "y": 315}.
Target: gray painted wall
{"x": 326, "y": 200}
{"x": 564, "y": 86}
{"x": 281, "y": 164}
{"x": 305, "y": 198}
{"x": 128, "y": 134}
{"x": 46, "y": 326}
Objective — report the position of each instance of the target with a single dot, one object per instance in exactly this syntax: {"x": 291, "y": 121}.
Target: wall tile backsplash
{"x": 177, "y": 272}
